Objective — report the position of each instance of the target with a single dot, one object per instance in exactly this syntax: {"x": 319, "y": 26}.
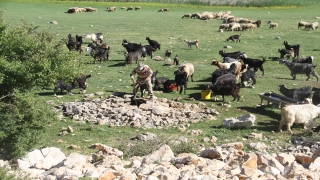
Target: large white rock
{"x": 244, "y": 121}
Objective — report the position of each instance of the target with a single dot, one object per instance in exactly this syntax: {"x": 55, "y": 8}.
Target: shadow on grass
{"x": 120, "y": 64}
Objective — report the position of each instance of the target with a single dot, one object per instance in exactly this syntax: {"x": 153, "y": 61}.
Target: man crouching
{"x": 144, "y": 73}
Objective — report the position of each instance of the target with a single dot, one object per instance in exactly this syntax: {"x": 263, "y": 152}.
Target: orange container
{"x": 173, "y": 87}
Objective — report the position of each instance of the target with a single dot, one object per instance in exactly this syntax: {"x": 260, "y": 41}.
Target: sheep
{"x": 111, "y": 9}
{"x": 94, "y": 37}
{"x": 300, "y": 68}
{"x": 186, "y": 16}
{"x": 166, "y": 9}
{"x": 316, "y": 97}
{"x": 220, "y": 72}
{"x": 258, "y": 23}
{"x": 181, "y": 80}
{"x": 123, "y": 8}
{"x": 313, "y": 26}
{"x": 308, "y": 60}
{"x": 299, "y": 114}
{"x": 130, "y": 8}
{"x": 272, "y": 25}
{"x": 286, "y": 53}
{"x": 234, "y": 38}
{"x": 225, "y": 89}
{"x": 248, "y": 26}
{"x": 160, "y": 10}
{"x": 253, "y": 63}
{"x": 224, "y": 26}
{"x": 227, "y": 66}
{"x": 190, "y": 43}
{"x": 302, "y": 24}
{"x": 137, "y": 8}
{"x": 246, "y": 76}
{"x": 298, "y": 94}
{"x": 188, "y": 68}
{"x": 167, "y": 55}
{"x": 295, "y": 47}
{"x": 235, "y": 26}
{"x": 235, "y": 55}
{"x": 90, "y": 9}
{"x": 153, "y": 43}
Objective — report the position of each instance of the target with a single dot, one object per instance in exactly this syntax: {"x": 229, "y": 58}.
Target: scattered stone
{"x": 244, "y": 121}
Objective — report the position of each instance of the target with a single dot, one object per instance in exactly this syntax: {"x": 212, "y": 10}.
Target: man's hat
{"x": 140, "y": 66}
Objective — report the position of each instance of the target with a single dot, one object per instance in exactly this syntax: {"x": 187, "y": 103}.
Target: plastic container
{"x": 205, "y": 94}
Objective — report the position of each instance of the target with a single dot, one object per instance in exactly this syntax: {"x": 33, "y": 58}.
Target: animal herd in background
{"x": 235, "y": 65}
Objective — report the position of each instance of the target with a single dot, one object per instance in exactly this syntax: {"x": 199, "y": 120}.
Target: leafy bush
{"x": 28, "y": 59}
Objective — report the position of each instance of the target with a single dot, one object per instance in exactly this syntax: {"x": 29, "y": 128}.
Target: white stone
{"x": 245, "y": 121}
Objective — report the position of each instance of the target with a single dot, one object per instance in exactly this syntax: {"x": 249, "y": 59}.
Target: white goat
{"x": 300, "y": 114}
{"x": 94, "y": 37}
{"x": 190, "y": 43}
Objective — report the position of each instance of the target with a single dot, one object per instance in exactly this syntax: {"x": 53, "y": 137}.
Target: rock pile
{"x": 122, "y": 111}
{"x": 228, "y": 161}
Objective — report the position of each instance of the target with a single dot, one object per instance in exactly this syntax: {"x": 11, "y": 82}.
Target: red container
{"x": 173, "y": 87}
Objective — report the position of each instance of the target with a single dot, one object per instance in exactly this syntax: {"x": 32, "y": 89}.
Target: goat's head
{"x": 214, "y": 62}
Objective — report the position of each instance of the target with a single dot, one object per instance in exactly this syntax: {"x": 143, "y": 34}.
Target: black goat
{"x": 246, "y": 76}
{"x": 176, "y": 60}
{"x": 258, "y": 23}
{"x": 308, "y": 60}
{"x": 181, "y": 80}
{"x": 101, "y": 53}
{"x": 74, "y": 43}
{"x": 165, "y": 82}
{"x": 220, "y": 72}
{"x": 226, "y": 79}
{"x": 149, "y": 50}
{"x": 81, "y": 82}
{"x": 286, "y": 53}
{"x": 234, "y": 38}
{"x": 299, "y": 94}
{"x": 234, "y": 55}
{"x": 316, "y": 97}
{"x": 135, "y": 56}
{"x": 300, "y": 68}
{"x": 225, "y": 90}
{"x": 296, "y": 48}
{"x": 63, "y": 87}
{"x": 253, "y": 63}
{"x": 153, "y": 43}
{"x": 167, "y": 55}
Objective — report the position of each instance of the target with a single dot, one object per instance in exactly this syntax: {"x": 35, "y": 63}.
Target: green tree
{"x": 29, "y": 59}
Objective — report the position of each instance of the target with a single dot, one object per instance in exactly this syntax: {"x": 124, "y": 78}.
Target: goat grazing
{"x": 220, "y": 72}
{"x": 135, "y": 56}
{"x": 258, "y": 23}
{"x": 298, "y": 94}
{"x": 253, "y": 63}
{"x": 188, "y": 68}
{"x": 300, "y": 68}
{"x": 313, "y": 26}
{"x": 299, "y": 114}
{"x": 153, "y": 43}
{"x": 186, "y": 16}
{"x": 234, "y": 38}
{"x": 302, "y": 24}
{"x": 296, "y": 48}
{"x": 272, "y": 24}
{"x": 225, "y": 90}
{"x": 246, "y": 76}
{"x": 62, "y": 86}
{"x": 190, "y": 43}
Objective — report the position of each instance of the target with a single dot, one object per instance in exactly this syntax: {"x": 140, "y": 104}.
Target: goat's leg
{"x": 261, "y": 69}
{"x": 185, "y": 89}
{"x": 192, "y": 77}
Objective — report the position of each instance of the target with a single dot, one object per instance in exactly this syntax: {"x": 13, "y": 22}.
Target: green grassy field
{"x": 170, "y": 30}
